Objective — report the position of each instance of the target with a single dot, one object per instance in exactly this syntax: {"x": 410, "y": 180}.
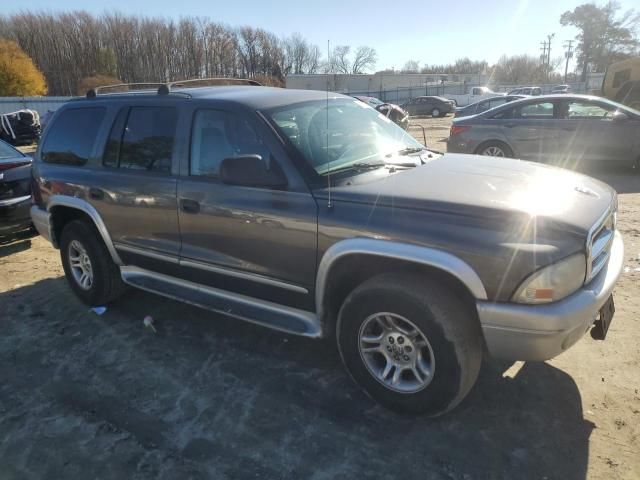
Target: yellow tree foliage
{"x": 19, "y": 77}
{"x": 87, "y": 83}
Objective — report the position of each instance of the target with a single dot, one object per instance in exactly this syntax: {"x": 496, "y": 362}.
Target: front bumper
{"x": 539, "y": 332}
{"x": 14, "y": 214}
{"x": 42, "y": 221}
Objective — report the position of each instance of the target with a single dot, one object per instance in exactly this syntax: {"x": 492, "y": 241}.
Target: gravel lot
{"x": 89, "y": 396}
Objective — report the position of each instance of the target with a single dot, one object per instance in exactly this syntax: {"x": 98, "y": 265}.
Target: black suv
{"x": 315, "y": 215}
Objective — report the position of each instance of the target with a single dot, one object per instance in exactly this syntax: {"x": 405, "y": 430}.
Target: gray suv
{"x": 317, "y": 216}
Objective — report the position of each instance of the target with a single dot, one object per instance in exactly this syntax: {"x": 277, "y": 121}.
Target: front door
{"x": 257, "y": 241}
{"x": 593, "y": 136}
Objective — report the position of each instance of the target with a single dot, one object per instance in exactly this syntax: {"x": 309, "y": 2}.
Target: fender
{"x": 400, "y": 251}
{"x": 86, "y": 207}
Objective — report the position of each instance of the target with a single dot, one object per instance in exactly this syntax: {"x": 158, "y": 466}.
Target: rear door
{"x": 135, "y": 193}
{"x": 252, "y": 240}
{"x": 530, "y": 129}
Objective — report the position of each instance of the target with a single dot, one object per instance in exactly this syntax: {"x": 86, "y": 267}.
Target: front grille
{"x": 599, "y": 243}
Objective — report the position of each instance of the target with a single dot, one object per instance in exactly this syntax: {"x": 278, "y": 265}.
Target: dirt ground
{"x": 90, "y": 396}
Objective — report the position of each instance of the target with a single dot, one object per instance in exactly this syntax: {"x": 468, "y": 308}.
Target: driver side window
{"x": 216, "y": 135}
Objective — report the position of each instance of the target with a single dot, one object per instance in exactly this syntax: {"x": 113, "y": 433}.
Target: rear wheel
{"x": 88, "y": 266}
{"x": 494, "y": 149}
{"x": 410, "y": 343}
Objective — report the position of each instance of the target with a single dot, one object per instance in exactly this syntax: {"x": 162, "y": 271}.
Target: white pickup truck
{"x": 476, "y": 94}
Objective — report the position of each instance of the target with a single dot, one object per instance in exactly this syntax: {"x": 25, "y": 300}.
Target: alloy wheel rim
{"x": 80, "y": 265}
{"x": 493, "y": 151}
{"x": 396, "y": 352}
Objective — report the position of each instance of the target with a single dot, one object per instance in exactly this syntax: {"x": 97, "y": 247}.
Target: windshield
{"x": 6, "y": 151}
{"x": 348, "y": 133}
{"x": 374, "y": 101}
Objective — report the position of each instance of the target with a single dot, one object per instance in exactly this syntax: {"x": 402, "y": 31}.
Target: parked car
{"x": 476, "y": 94}
{"x": 485, "y": 105}
{"x": 21, "y": 127}
{"x": 567, "y": 130}
{"x": 561, "y": 89}
{"x": 530, "y": 91}
{"x": 393, "y": 112}
{"x": 317, "y": 217}
{"x": 434, "y": 106}
{"x": 15, "y": 191}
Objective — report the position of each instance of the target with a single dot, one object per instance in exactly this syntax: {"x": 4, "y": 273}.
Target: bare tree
{"x": 339, "y": 61}
{"x": 365, "y": 59}
{"x": 412, "y": 66}
{"x": 312, "y": 63}
{"x": 68, "y": 47}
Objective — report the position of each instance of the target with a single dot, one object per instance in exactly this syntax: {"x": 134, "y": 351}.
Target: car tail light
{"x": 36, "y": 196}
{"x": 10, "y": 165}
{"x": 458, "y": 129}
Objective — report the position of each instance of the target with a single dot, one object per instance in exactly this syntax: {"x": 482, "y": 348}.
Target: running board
{"x": 261, "y": 312}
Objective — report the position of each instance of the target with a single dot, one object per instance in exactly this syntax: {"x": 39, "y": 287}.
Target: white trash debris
{"x": 148, "y": 323}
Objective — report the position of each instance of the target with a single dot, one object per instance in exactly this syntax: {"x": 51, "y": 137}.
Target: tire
{"x": 80, "y": 242}
{"x": 435, "y": 113}
{"x": 453, "y": 351}
{"x": 495, "y": 146}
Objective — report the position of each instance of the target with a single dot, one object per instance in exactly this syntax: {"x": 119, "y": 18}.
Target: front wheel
{"x": 435, "y": 113}
{"x": 410, "y": 343}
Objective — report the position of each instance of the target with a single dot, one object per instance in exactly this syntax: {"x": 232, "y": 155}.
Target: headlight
{"x": 553, "y": 282}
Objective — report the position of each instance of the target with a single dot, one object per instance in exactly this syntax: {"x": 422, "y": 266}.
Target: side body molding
{"x": 399, "y": 251}
{"x": 86, "y": 207}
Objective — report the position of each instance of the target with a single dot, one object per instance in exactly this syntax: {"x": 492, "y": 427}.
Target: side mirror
{"x": 251, "y": 171}
{"x": 619, "y": 116}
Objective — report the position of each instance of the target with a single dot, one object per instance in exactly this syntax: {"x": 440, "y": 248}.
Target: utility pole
{"x": 568, "y": 54}
{"x": 543, "y": 56}
{"x": 549, "y": 38}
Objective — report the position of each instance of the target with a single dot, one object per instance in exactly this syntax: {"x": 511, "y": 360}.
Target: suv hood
{"x": 481, "y": 186}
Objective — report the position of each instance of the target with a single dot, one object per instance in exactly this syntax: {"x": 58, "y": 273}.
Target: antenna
{"x": 329, "y": 205}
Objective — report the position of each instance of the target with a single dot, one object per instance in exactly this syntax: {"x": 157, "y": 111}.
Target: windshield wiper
{"x": 358, "y": 166}
{"x": 410, "y": 150}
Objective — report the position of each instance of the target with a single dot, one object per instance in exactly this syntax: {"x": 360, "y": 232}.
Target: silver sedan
{"x": 566, "y": 130}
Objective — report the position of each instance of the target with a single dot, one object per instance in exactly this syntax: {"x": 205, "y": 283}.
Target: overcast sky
{"x": 432, "y": 32}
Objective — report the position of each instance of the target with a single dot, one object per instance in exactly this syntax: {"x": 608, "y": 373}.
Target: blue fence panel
{"x": 39, "y": 104}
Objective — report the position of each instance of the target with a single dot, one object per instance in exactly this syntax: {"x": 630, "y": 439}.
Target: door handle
{"x": 96, "y": 193}
{"x": 189, "y": 206}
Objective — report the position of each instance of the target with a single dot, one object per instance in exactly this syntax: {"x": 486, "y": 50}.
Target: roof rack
{"x": 165, "y": 88}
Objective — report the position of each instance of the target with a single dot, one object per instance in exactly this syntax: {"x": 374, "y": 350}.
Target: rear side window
{"x": 142, "y": 138}
{"x": 542, "y": 110}
{"x": 71, "y": 137}
{"x": 504, "y": 114}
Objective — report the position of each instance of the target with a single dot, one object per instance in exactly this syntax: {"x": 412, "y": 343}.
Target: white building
{"x": 379, "y": 82}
